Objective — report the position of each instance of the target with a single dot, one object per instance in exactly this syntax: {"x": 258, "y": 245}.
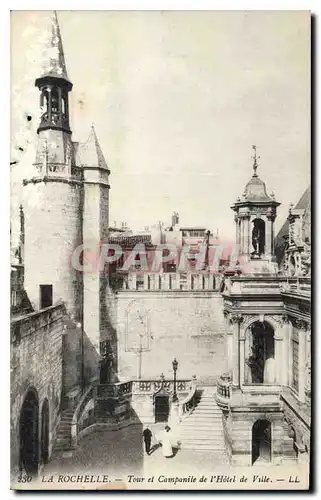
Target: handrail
{"x": 186, "y": 405}
{"x": 223, "y": 385}
{"x": 89, "y": 394}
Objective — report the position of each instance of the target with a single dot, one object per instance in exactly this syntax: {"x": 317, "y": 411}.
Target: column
{"x": 308, "y": 365}
{"x": 236, "y": 320}
{"x": 246, "y": 244}
{"x": 290, "y": 333}
{"x": 284, "y": 352}
{"x": 278, "y": 356}
{"x": 229, "y": 343}
{"x": 302, "y": 330}
{"x": 268, "y": 237}
{"x": 242, "y": 355}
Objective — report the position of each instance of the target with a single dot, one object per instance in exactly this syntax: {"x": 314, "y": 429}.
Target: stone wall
{"x": 53, "y": 231}
{"x": 240, "y": 434}
{"x": 188, "y": 325}
{"x": 36, "y": 362}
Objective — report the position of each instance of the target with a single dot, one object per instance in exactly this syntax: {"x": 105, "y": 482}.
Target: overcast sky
{"x": 177, "y": 99}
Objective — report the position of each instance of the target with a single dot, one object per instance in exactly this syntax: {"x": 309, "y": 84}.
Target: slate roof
{"x": 54, "y": 64}
{"x": 89, "y": 154}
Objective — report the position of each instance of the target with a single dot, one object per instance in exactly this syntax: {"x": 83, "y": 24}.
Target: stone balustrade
{"x": 186, "y": 405}
{"x": 119, "y": 390}
{"x": 145, "y": 281}
{"x": 151, "y": 386}
{"x": 224, "y": 389}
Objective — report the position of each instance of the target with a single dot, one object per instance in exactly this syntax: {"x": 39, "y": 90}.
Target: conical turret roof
{"x": 90, "y": 153}
{"x": 54, "y": 64}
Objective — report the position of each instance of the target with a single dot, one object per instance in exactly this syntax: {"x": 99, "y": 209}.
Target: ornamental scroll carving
{"x": 301, "y": 324}
{"x": 283, "y": 319}
{"x": 236, "y": 319}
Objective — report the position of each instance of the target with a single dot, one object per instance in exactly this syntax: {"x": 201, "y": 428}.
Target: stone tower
{"x": 255, "y": 213}
{"x": 95, "y": 234}
{"x": 53, "y": 194}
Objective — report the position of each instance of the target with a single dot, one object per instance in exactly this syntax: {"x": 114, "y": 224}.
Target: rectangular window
{"x": 45, "y": 296}
{"x": 295, "y": 360}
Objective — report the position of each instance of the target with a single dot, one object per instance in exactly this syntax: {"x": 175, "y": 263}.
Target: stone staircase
{"x": 288, "y": 453}
{"x": 203, "y": 429}
{"x": 63, "y": 435}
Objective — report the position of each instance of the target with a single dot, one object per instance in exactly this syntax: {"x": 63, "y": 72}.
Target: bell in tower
{"x": 54, "y": 84}
{"x": 55, "y": 151}
{"x": 255, "y": 213}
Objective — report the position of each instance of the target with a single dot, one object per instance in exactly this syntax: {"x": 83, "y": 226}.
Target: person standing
{"x": 147, "y": 434}
{"x": 166, "y": 443}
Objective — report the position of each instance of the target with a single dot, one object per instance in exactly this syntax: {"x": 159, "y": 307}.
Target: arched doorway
{"x": 28, "y": 432}
{"x": 261, "y": 442}
{"x": 161, "y": 402}
{"x": 45, "y": 432}
{"x": 260, "y": 364}
{"x": 258, "y": 237}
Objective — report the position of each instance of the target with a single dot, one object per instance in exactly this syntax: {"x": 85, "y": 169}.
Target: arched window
{"x": 54, "y": 100}
{"x": 260, "y": 362}
{"x": 258, "y": 237}
{"x": 63, "y": 105}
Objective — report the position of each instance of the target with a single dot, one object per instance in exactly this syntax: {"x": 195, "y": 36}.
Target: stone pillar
{"x": 278, "y": 356}
{"x": 308, "y": 366}
{"x": 236, "y": 320}
{"x": 302, "y": 327}
{"x": 246, "y": 241}
{"x": 229, "y": 343}
{"x": 290, "y": 332}
{"x": 268, "y": 237}
{"x": 284, "y": 351}
{"x": 242, "y": 355}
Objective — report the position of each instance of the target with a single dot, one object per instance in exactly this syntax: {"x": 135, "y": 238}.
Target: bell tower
{"x": 53, "y": 192}
{"x": 255, "y": 213}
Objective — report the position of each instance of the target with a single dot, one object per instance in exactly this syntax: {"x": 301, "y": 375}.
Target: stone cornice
{"x": 45, "y": 179}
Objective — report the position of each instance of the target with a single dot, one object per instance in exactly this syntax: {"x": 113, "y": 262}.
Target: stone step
{"x": 208, "y": 408}
{"x": 63, "y": 424}
{"x": 209, "y": 420}
{"x": 199, "y": 439}
{"x": 202, "y": 424}
{"x": 202, "y": 446}
{"x": 200, "y": 432}
{"x": 63, "y": 432}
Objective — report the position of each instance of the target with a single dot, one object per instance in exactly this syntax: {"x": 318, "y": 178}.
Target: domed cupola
{"x": 255, "y": 189}
{"x": 255, "y": 213}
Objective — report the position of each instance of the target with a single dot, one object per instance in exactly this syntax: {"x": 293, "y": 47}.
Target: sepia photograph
{"x": 160, "y": 250}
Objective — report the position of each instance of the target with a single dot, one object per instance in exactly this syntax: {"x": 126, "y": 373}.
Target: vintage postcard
{"x": 160, "y": 250}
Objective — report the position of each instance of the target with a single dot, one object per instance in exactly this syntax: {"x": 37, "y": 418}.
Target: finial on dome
{"x": 255, "y": 158}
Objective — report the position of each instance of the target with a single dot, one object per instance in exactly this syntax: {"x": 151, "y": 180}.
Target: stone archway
{"x": 260, "y": 363}
{"x": 258, "y": 237}
{"x": 261, "y": 442}
{"x": 28, "y": 433}
{"x": 45, "y": 432}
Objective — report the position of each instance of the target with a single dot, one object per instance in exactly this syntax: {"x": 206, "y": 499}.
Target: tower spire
{"x": 255, "y": 158}
{"x": 53, "y": 82}
{"x": 54, "y": 64}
